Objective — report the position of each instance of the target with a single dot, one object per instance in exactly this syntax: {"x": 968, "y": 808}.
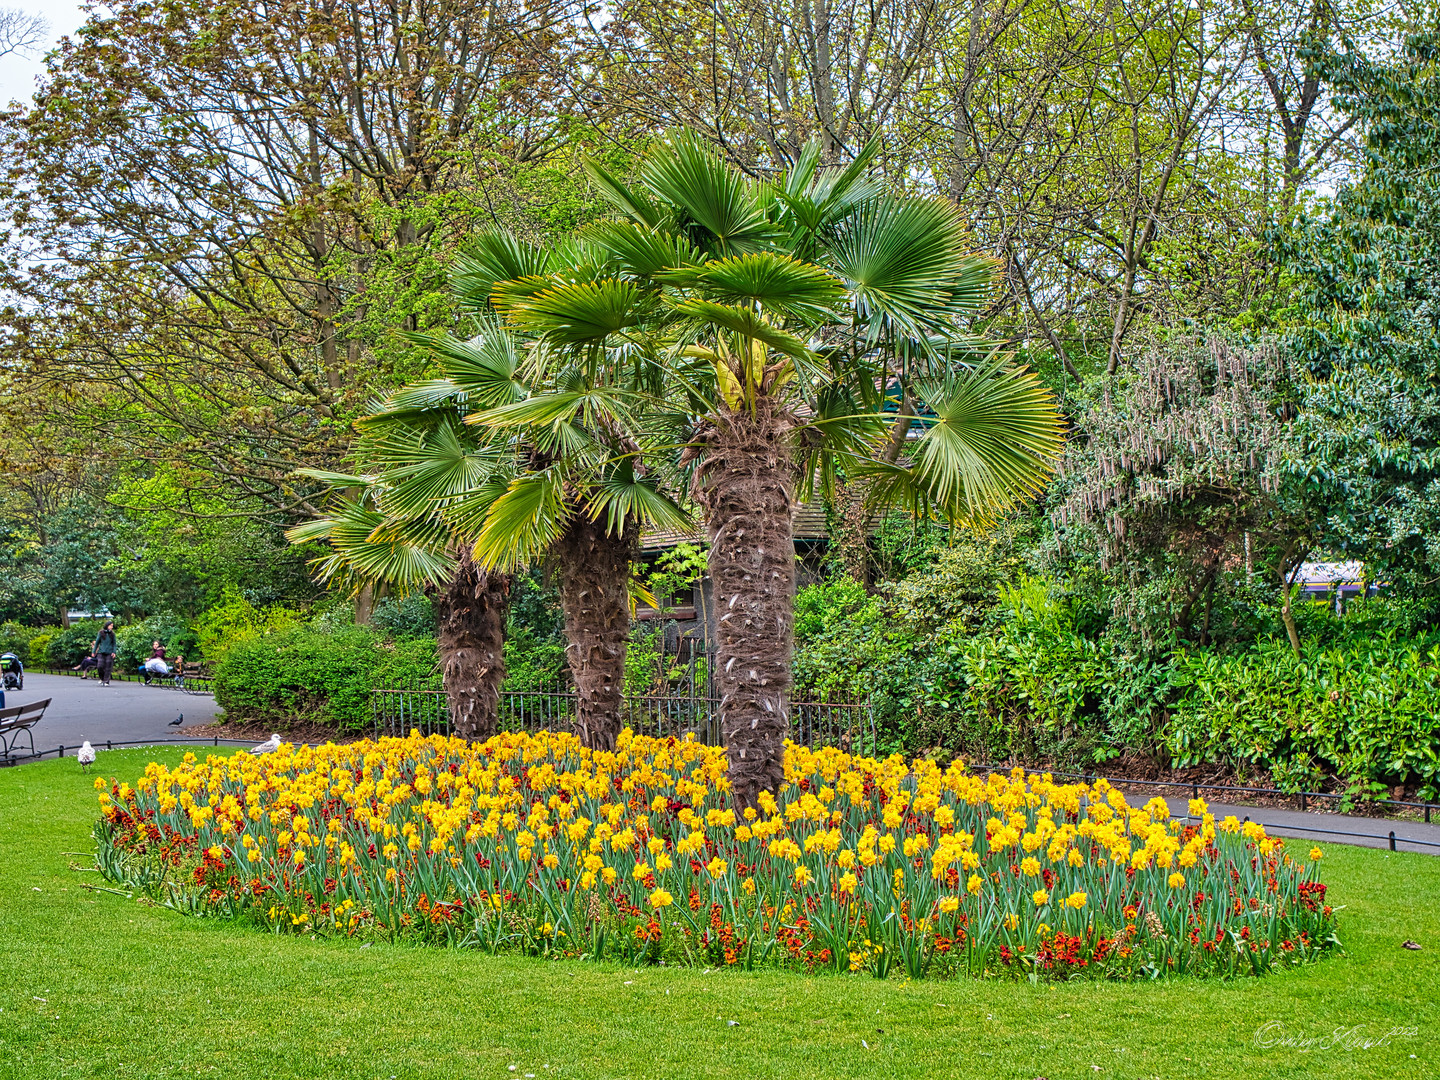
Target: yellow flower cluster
{"x": 534, "y": 842}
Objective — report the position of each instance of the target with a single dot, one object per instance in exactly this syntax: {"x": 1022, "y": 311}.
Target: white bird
{"x": 269, "y": 746}
{"x": 86, "y": 756}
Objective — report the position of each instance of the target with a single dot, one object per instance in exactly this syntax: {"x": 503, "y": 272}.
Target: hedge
{"x": 299, "y": 674}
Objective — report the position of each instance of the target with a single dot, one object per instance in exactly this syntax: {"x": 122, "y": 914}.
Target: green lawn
{"x": 137, "y": 991}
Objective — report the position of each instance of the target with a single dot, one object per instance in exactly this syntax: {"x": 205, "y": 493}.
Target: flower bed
{"x": 531, "y": 843}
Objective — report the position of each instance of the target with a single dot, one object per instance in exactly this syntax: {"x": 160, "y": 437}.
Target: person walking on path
{"x": 104, "y": 650}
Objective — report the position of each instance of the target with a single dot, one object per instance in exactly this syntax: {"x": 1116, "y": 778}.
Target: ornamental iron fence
{"x": 399, "y": 710}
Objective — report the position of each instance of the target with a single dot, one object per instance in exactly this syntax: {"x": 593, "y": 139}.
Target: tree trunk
{"x": 595, "y": 595}
{"x": 470, "y": 632}
{"x": 364, "y": 604}
{"x": 746, "y": 484}
{"x": 852, "y": 536}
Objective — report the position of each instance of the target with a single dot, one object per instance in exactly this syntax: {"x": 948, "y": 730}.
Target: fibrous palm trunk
{"x": 746, "y": 484}
{"x": 470, "y": 617}
{"x": 595, "y": 595}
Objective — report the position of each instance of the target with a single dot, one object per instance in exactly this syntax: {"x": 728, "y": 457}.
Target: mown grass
{"x": 99, "y": 985}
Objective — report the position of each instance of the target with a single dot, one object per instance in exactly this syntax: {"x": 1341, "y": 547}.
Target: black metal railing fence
{"x": 399, "y": 710}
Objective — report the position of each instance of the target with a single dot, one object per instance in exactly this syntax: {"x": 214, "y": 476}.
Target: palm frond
{"x": 622, "y": 493}
{"x": 640, "y": 251}
{"x": 356, "y": 557}
{"x": 634, "y": 204}
{"x": 906, "y": 263}
{"x": 723, "y": 211}
{"x": 427, "y": 469}
{"x": 776, "y": 282}
{"x": 493, "y": 257}
{"x": 745, "y": 321}
{"x": 522, "y": 523}
{"x": 581, "y": 313}
{"x": 995, "y": 436}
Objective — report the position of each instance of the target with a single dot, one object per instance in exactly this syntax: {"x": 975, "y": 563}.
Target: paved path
{"x": 122, "y": 712}
{"x": 1330, "y": 828}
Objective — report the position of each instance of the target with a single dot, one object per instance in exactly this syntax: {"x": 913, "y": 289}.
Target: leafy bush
{"x": 1368, "y": 711}
{"x": 236, "y": 619}
{"x": 16, "y": 638}
{"x": 299, "y": 674}
{"x": 68, "y": 646}
{"x": 40, "y": 648}
{"x": 412, "y": 615}
{"x": 533, "y": 662}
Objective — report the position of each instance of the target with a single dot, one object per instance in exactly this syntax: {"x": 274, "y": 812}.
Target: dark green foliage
{"x": 299, "y": 674}
{"x": 1367, "y": 298}
{"x": 534, "y": 638}
{"x": 412, "y": 615}
{"x": 69, "y": 646}
{"x": 1367, "y": 710}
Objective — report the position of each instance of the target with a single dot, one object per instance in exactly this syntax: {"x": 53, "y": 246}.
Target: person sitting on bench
{"x": 155, "y": 667}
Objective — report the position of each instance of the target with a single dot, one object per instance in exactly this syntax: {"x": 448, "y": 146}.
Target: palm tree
{"x": 782, "y": 312}
{"x": 467, "y": 463}
{"x": 392, "y": 526}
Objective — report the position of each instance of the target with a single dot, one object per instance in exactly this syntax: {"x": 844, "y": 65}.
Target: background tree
{"x": 1367, "y": 303}
{"x": 232, "y": 213}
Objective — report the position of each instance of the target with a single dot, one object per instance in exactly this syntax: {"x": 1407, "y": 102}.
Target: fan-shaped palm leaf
{"x": 579, "y": 313}
{"x": 494, "y": 256}
{"x": 622, "y": 493}
{"x": 745, "y": 321}
{"x": 775, "y": 282}
{"x": 723, "y": 212}
{"x": 358, "y": 557}
{"x": 523, "y": 523}
{"x": 994, "y": 437}
{"x": 638, "y": 251}
{"x": 634, "y": 204}
{"x": 906, "y": 264}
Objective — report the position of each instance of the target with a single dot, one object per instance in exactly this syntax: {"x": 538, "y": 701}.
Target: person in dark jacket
{"x": 104, "y": 650}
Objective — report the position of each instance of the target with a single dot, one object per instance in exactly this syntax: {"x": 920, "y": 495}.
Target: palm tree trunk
{"x": 595, "y": 595}
{"x": 470, "y": 617}
{"x": 746, "y": 484}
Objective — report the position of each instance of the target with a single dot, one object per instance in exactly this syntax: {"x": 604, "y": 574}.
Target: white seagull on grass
{"x": 269, "y": 746}
{"x": 86, "y": 756}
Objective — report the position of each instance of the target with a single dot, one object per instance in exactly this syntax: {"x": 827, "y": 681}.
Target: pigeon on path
{"x": 86, "y": 756}
{"x": 269, "y": 746}
{"x": 178, "y": 720}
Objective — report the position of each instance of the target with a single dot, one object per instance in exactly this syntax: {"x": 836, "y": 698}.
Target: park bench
{"x": 17, "y": 721}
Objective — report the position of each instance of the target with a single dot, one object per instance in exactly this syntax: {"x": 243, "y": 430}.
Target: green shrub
{"x": 68, "y": 646}
{"x": 40, "y": 648}
{"x": 533, "y": 663}
{"x": 1368, "y": 711}
{"x": 16, "y": 638}
{"x": 235, "y": 619}
{"x": 412, "y": 615}
{"x": 299, "y": 674}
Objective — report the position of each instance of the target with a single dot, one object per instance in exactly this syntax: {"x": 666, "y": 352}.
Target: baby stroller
{"x": 14, "y": 671}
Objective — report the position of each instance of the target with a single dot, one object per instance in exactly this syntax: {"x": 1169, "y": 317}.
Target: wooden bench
{"x": 18, "y": 721}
